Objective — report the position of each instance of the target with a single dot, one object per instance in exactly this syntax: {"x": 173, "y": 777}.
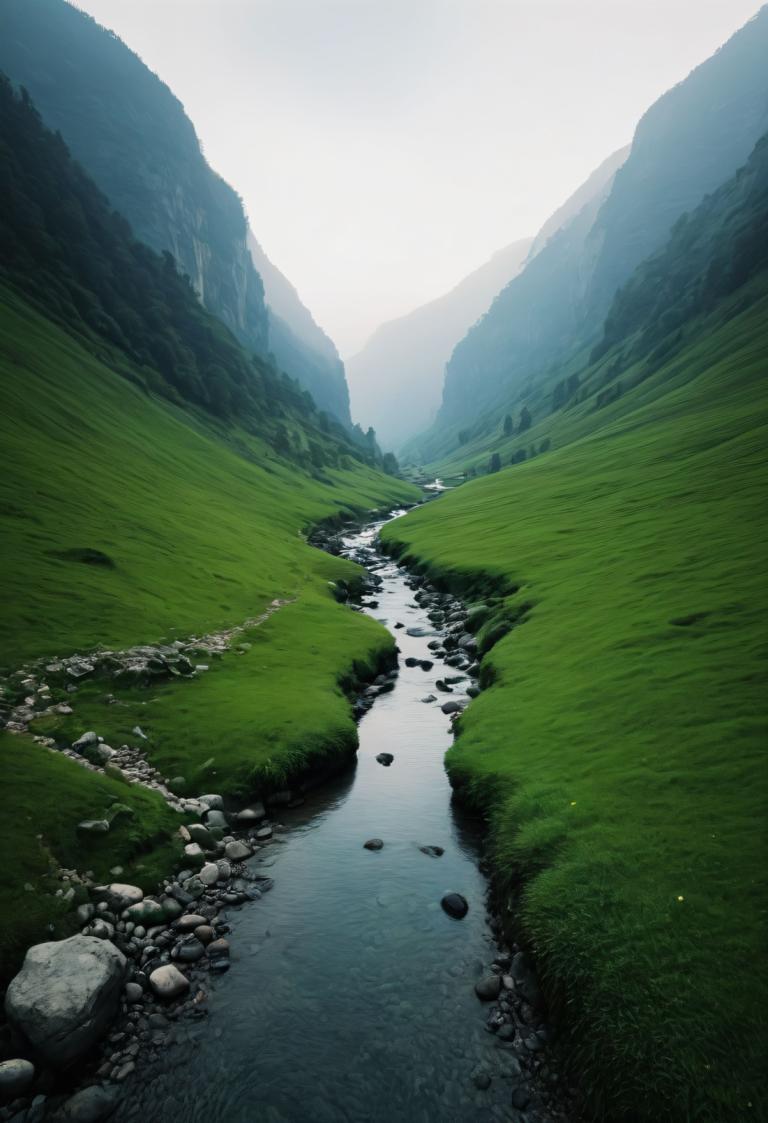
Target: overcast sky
{"x": 385, "y": 148}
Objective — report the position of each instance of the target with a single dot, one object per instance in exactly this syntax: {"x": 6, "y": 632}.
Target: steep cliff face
{"x": 536, "y": 314}
{"x": 297, "y": 342}
{"x": 396, "y": 380}
{"x": 133, "y": 137}
{"x": 692, "y": 139}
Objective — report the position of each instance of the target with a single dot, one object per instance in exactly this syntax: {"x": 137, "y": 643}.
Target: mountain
{"x": 298, "y": 344}
{"x": 132, "y": 135}
{"x": 594, "y": 186}
{"x": 618, "y": 746}
{"x": 692, "y": 139}
{"x": 397, "y": 378}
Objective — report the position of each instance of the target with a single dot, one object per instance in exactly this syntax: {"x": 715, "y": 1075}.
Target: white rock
{"x": 65, "y": 996}
{"x": 168, "y": 982}
{"x": 209, "y": 874}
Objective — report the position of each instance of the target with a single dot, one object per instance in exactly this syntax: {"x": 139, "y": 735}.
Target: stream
{"x": 351, "y": 993}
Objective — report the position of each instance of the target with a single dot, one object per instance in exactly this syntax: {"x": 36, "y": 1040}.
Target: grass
{"x": 619, "y": 750}
{"x": 256, "y": 719}
{"x": 45, "y": 796}
{"x": 126, "y": 520}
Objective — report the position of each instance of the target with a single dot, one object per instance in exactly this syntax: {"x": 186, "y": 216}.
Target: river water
{"x": 350, "y": 996}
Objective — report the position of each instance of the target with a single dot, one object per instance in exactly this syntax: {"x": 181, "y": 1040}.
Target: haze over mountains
{"x": 396, "y": 381}
{"x": 686, "y": 144}
{"x": 133, "y": 136}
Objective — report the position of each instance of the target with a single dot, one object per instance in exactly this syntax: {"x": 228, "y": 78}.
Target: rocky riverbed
{"x": 111, "y": 1013}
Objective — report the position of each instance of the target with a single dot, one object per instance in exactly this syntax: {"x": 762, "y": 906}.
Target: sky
{"x": 386, "y": 148}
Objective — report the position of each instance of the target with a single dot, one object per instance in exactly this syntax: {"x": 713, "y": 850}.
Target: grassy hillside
{"x": 619, "y": 750}
{"x": 198, "y": 528}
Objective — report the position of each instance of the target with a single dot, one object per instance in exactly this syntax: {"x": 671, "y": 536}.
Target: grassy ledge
{"x": 619, "y": 747}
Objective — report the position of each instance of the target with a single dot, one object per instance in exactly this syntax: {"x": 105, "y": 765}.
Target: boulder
{"x": 83, "y": 742}
{"x": 119, "y": 896}
{"x": 168, "y": 982}
{"x": 209, "y": 874}
{"x": 216, "y": 820}
{"x": 15, "y": 1077}
{"x": 451, "y": 708}
{"x": 65, "y": 996}
{"x": 202, "y": 836}
{"x": 385, "y": 759}
{"x": 193, "y": 854}
{"x": 373, "y": 844}
{"x": 237, "y": 851}
{"x": 189, "y": 949}
{"x": 90, "y": 1105}
{"x": 189, "y": 922}
{"x": 147, "y": 912}
{"x": 263, "y": 834}
{"x": 488, "y": 988}
{"x": 455, "y": 905}
{"x": 213, "y": 802}
{"x": 250, "y": 815}
{"x": 432, "y": 851}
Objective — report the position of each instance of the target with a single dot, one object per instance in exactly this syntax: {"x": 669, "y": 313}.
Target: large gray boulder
{"x": 65, "y": 996}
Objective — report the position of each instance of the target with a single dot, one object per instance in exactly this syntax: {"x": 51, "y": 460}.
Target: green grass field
{"x": 203, "y": 529}
{"x": 620, "y": 751}
{"x": 45, "y": 796}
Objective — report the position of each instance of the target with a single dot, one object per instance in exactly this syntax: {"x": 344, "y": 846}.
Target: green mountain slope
{"x": 619, "y": 746}
{"x": 688, "y": 142}
{"x": 135, "y": 140}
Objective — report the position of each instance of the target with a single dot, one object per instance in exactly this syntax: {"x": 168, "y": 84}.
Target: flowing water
{"x": 350, "y": 996}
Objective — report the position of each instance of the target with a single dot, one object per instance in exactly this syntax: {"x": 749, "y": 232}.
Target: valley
{"x": 382, "y": 739}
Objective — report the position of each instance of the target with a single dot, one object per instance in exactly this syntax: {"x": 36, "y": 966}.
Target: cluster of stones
{"x": 516, "y": 1019}
{"x": 146, "y": 663}
{"x": 139, "y": 964}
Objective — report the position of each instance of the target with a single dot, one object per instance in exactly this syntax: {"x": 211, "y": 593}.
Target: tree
{"x": 525, "y": 420}
{"x": 509, "y": 425}
{"x": 495, "y": 463}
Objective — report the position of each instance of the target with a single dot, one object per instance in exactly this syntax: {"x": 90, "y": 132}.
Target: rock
{"x": 65, "y": 996}
{"x": 189, "y": 949}
{"x": 451, "y": 708}
{"x": 204, "y": 933}
{"x": 481, "y": 1079}
{"x": 189, "y": 922}
{"x": 90, "y": 1105}
{"x": 432, "y": 851}
{"x": 83, "y": 742}
{"x": 168, "y": 982}
{"x": 133, "y": 993}
{"x": 488, "y": 988}
{"x": 224, "y": 868}
{"x": 202, "y": 836}
{"x": 263, "y": 834}
{"x": 373, "y": 844}
{"x": 219, "y": 947}
{"x": 147, "y": 912}
{"x": 171, "y": 908}
{"x": 455, "y": 905}
{"x": 216, "y": 820}
{"x": 98, "y": 754}
{"x": 194, "y": 854}
{"x": 237, "y": 851}
{"x": 521, "y": 970}
{"x": 119, "y": 896}
{"x": 418, "y": 632}
{"x": 385, "y": 759}
{"x": 426, "y": 664}
{"x": 209, "y": 874}
{"x": 93, "y": 826}
{"x": 520, "y": 1098}
{"x": 15, "y": 1077}
{"x": 506, "y": 1032}
{"x": 213, "y": 802}
{"x": 249, "y": 815}
{"x": 429, "y": 698}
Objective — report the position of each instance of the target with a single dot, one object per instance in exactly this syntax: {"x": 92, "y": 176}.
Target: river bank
{"x": 321, "y": 897}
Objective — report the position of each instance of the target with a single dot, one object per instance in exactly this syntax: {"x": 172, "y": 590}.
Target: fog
{"x": 385, "y": 148}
